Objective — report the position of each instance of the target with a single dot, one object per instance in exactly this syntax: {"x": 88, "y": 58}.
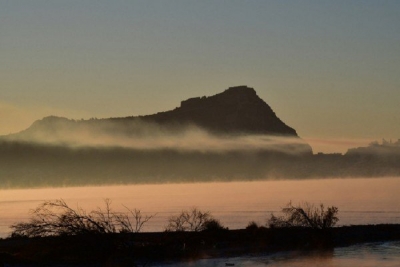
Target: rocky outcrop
{"x": 236, "y": 110}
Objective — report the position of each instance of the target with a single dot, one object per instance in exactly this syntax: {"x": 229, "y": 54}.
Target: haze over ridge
{"x": 236, "y": 119}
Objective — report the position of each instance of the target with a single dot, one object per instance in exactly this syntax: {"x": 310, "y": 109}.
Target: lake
{"x": 235, "y": 204}
{"x": 383, "y": 254}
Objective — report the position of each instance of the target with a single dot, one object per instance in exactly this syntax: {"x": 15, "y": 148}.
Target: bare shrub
{"x": 55, "y": 218}
{"x": 132, "y": 222}
{"x": 252, "y": 226}
{"x": 213, "y": 225}
{"x": 192, "y": 220}
{"x": 305, "y": 215}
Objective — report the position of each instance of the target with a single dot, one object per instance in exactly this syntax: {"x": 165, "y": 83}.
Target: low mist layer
{"x": 62, "y": 152}
{"x": 233, "y": 135}
{"x": 137, "y": 134}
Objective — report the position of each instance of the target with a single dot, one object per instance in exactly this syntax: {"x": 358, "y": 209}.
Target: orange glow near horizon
{"x": 234, "y": 203}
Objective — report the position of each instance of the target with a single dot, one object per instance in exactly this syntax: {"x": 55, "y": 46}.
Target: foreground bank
{"x": 147, "y": 248}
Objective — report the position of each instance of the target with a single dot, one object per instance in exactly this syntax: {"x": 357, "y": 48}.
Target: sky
{"x": 329, "y": 69}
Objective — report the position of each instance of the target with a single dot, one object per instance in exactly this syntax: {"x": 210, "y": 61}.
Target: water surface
{"x": 235, "y": 204}
{"x": 383, "y": 254}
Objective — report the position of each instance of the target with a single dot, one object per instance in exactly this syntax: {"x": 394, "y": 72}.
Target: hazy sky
{"x": 329, "y": 69}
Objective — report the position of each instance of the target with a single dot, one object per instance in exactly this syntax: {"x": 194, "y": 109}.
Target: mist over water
{"x": 61, "y": 152}
{"x": 139, "y": 135}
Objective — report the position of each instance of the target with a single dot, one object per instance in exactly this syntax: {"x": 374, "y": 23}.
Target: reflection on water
{"x": 366, "y": 255}
{"x": 360, "y": 201}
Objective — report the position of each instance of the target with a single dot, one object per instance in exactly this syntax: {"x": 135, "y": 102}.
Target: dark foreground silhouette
{"x": 138, "y": 249}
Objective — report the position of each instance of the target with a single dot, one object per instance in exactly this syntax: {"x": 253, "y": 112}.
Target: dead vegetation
{"x": 193, "y": 220}
{"x": 305, "y": 215}
{"x": 56, "y": 218}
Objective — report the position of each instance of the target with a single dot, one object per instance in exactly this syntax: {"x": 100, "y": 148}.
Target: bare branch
{"x": 193, "y": 220}
{"x": 57, "y": 218}
{"x": 305, "y": 215}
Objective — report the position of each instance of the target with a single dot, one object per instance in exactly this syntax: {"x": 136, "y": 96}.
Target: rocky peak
{"x": 235, "y": 94}
{"x": 236, "y": 110}
{"x": 242, "y": 90}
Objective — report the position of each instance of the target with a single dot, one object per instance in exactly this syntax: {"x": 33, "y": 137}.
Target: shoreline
{"x": 163, "y": 247}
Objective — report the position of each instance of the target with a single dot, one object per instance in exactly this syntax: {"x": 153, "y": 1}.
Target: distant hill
{"x": 233, "y": 135}
{"x": 237, "y": 110}
{"x": 386, "y": 148}
{"x": 236, "y": 119}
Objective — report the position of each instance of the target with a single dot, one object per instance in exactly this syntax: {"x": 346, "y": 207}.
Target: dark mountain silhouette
{"x": 233, "y": 135}
{"x": 237, "y": 110}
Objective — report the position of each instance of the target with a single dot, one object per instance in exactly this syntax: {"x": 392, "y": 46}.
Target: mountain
{"x": 236, "y": 111}
{"x": 233, "y": 135}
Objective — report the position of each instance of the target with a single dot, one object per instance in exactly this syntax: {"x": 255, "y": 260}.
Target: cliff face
{"x": 236, "y": 110}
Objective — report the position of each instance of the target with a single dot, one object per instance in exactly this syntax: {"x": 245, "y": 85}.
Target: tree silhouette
{"x": 305, "y": 215}
{"x": 55, "y": 218}
{"x": 193, "y": 220}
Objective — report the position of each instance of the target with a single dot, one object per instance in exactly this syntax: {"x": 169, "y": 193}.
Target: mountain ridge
{"x": 237, "y": 110}
{"x": 233, "y": 135}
